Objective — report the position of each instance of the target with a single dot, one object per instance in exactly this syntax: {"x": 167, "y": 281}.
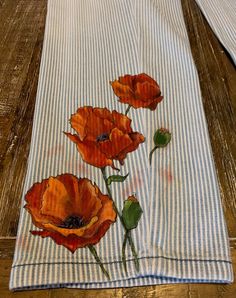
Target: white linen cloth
{"x": 221, "y": 16}
{"x": 182, "y": 236}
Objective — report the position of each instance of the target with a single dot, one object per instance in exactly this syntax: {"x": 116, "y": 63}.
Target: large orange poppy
{"x": 139, "y": 91}
{"x": 103, "y": 136}
{"x": 72, "y": 211}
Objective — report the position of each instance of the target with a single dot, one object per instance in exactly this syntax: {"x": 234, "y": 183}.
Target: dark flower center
{"x": 72, "y": 222}
{"x": 103, "y": 137}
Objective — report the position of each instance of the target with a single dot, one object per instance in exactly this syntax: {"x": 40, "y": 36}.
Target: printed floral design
{"x": 103, "y": 136}
{"x": 139, "y": 91}
{"x": 161, "y": 139}
{"x": 72, "y": 211}
{"x": 131, "y": 214}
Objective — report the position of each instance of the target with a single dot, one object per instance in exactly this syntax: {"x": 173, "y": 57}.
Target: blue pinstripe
{"x": 87, "y": 44}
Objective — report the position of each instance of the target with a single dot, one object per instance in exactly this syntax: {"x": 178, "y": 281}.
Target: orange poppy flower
{"x": 72, "y": 211}
{"x": 139, "y": 91}
{"x": 103, "y": 136}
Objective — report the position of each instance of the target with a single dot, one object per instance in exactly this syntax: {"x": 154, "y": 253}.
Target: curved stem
{"x": 127, "y": 110}
{"x": 94, "y": 253}
{"x": 110, "y": 195}
{"x": 150, "y": 154}
{"x": 123, "y": 250}
{"x": 131, "y": 243}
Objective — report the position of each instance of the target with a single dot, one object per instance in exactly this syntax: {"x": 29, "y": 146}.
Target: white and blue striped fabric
{"x": 221, "y": 16}
{"x": 182, "y": 236}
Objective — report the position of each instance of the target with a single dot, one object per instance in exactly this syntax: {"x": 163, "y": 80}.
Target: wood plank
{"x": 7, "y": 246}
{"x": 217, "y": 80}
{"x": 21, "y": 39}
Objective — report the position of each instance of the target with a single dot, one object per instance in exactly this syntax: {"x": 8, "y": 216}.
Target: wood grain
{"x": 21, "y": 36}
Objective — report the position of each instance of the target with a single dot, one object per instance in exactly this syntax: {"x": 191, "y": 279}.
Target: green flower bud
{"x": 131, "y": 213}
{"x": 162, "y": 137}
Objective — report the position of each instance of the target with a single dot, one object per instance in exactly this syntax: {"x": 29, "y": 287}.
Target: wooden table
{"x": 21, "y": 37}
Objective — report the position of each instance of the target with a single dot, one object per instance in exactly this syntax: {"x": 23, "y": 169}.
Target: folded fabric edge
{"x": 223, "y": 37}
{"x": 154, "y": 271}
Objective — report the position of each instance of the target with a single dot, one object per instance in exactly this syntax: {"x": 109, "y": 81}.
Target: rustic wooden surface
{"x": 21, "y": 36}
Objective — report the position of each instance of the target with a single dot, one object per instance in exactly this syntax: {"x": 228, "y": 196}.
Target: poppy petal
{"x": 83, "y": 196}
{"x": 137, "y": 139}
{"x": 79, "y": 232}
{"x": 143, "y": 77}
{"x": 78, "y": 121}
{"x": 117, "y": 142}
{"x": 90, "y": 152}
{"x": 146, "y": 91}
{"x": 121, "y": 90}
{"x": 56, "y": 201}
{"x": 72, "y": 242}
{"x": 66, "y": 197}
{"x": 106, "y": 213}
{"x": 107, "y": 133}
{"x": 97, "y": 124}
{"x": 127, "y": 80}
{"x": 103, "y": 113}
{"x": 86, "y": 202}
{"x": 139, "y": 91}
{"x": 33, "y": 199}
{"x": 154, "y": 104}
{"x": 122, "y": 122}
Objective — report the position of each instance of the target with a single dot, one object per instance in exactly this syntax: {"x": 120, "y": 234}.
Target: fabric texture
{"x": 221, "y": 17}
{"x": 181, "y": 236}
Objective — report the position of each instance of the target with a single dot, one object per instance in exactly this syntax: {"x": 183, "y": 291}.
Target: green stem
{"x": 123, "y": 251}
{"x": 131, "y": 243}
{"x": 150, "y": 154}
{"x": 94, "y": 253}
{"x": 110, "y": 195}
{"x": 127, "y": 110}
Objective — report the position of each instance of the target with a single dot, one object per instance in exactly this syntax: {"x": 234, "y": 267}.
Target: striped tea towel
{"x": 221, "y": 16}
{"x": 121, "y": 188}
